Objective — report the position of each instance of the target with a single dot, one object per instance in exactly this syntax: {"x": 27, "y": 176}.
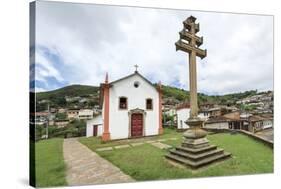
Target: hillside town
{"x": 253, "y": 113}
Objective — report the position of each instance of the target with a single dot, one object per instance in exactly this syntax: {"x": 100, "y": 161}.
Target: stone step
{"x": 200, "y": 163}
{"x": 197, "y": 157}
{"x": 196, "y": 150}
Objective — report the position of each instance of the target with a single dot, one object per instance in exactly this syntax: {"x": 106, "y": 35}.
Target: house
{"x": 61, "y": 110}
{"x": 259, "y": 122}
{"x": 235, "y": 120}
{"x": 169, "y": 115}
{"x": 183, "y": 113}
{"x": 171, "y": 111}
{"x": 206, "y": 106}
{"x": 73, "y": 113}
{"x": 41, "y": 117}
{"x": 203, "y": 114}
{"x": 214, "y": 112}
{"x": 131, "y": 107}
{"x": 61, "y": 123}
{"x": 85, "y": 114}
{"x": 94, "y": 126}
{"x": 218, "y": 122}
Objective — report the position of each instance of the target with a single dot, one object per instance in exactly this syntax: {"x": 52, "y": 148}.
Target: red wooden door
{"x": 136, "y": 125}
{"x": 95, "y": 130}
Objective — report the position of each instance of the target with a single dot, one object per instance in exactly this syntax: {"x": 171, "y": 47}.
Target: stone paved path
{"x": 86, "y": 167}
{"x": 157, "y": 143}
{"x": 161, "y": 145}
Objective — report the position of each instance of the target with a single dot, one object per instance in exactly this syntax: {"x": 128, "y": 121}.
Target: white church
{"x": 131, "y": 107}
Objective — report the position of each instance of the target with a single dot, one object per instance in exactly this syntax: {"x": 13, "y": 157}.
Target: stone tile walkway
{"x": 157, "y": 143}
{"x": 161, "y": 145}
{"x": 86, "y": 167}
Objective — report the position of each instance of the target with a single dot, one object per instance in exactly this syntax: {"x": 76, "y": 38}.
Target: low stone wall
{"x": 256, "y": 137}
{"x": 252, "y": 135}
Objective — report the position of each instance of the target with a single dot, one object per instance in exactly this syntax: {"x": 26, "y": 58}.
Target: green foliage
{"x": 79, "y": 126}
{"x": 61, "y": 116}
{"x": 176, "y": 93}
{"x": 58, "y": 101}
{"x": 49, "y": 163}
{"x": 41, "y": 107}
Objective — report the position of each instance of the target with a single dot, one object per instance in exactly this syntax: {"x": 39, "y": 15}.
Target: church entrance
{"x": 137, "y": 125}
{"x": 95, "y": 130}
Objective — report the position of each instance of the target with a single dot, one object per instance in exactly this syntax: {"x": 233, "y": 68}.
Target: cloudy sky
{"x": 79, "y": 43}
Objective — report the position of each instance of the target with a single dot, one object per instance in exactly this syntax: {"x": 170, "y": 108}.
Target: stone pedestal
{"x": 195, "y": 150}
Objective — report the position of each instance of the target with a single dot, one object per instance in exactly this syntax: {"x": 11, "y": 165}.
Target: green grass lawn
{"x": 49, "y": 163}
{"x": 95, "y": 142}
{"x": 147, "y": 162}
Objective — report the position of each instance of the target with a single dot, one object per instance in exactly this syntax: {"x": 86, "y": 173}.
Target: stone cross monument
{"x": 195, "y": 150}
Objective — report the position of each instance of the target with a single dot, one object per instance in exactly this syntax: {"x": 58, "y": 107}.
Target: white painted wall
{"x": 85, "y": 114}
{"x": 182, "y": 116}
{"x": 219, "y": 125}
{"x": 95, "y": 121}
{"x": 136, "y": 98}
{"x": 202, "y": 116}
{"x": 267, "y": 124}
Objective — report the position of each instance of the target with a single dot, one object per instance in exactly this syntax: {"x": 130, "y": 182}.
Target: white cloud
{"x": 93, "y": 39}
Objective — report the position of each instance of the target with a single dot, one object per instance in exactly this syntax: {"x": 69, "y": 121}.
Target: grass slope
{"x": 146, "y": 162}
{"x": 49, "y": 163}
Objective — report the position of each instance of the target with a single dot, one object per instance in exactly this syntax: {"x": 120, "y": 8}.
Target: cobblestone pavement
{"x": 86, "y": 167}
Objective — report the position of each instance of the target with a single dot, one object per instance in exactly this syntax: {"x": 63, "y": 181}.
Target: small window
{"x": 136, "y": 84}
{"x": 122, "y": 103}
{"x": 149, "y": 104}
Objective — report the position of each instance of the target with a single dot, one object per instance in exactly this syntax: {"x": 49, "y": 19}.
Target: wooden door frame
{"x": 95, "y": 126}
{"x": 136, "y": 111}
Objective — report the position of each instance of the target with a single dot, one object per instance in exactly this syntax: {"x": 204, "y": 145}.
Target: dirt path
{"x": 86, "y": 167}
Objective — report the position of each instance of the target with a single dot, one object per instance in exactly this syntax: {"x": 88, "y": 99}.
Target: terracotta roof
{"x": 217, "y": 119}
{"x": 256, "y": 118}
{"x": 40, "y": 113}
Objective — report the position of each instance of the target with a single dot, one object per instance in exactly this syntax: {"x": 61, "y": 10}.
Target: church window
{"x": 149, "y": 104}
{"x": 122, "y": 103}
{"x": 136, "y": 84}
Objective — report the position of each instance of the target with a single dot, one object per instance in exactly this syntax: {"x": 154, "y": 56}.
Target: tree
{"x": 61, "y": 116}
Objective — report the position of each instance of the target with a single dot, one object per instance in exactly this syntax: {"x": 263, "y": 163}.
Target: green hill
{"x": 71, "y": 91}
{"x": 171, "y": 95}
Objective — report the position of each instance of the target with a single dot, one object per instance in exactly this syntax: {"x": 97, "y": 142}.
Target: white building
{"x": 219, "y": 122}
{"x": 85, "y": 114}
{"x": 131, "y": 107}
{"x": 94, "y": 126}
{"x": 183, "y": 112}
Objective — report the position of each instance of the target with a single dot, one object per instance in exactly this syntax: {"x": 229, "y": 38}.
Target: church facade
{"x": 131, "y": 107}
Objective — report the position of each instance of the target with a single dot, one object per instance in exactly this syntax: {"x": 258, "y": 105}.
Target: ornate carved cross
{"x": 190, "y": 43}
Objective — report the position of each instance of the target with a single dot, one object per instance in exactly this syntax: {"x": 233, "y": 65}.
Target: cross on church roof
{"x": 136, "y": 66}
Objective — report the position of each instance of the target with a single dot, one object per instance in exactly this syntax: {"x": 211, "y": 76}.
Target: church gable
{"x": 135, "y": 80}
